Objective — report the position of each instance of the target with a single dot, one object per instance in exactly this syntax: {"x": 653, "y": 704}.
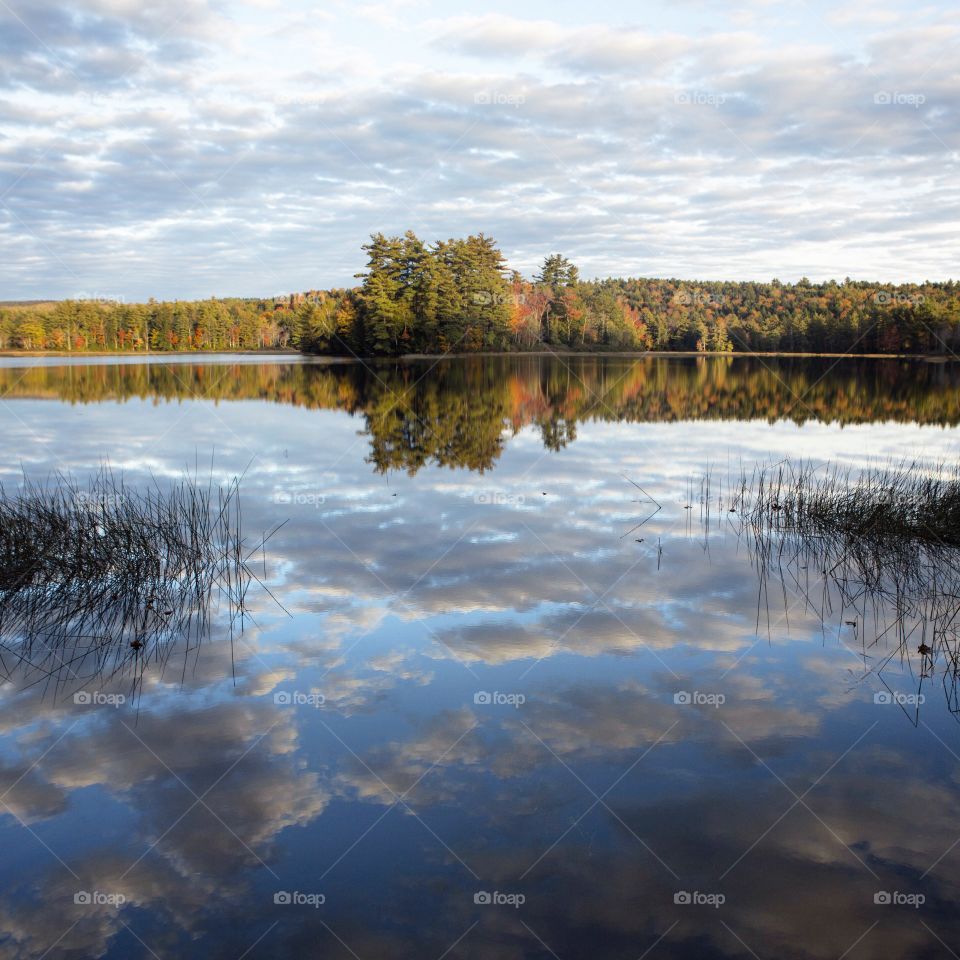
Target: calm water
{"x": 475, "y": 684}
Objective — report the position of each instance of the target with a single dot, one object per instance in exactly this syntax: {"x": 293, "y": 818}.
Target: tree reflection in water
{"x": 456, "y": 412}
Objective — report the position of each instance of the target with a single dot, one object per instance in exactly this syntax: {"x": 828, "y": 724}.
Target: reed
{"x": 902, "y": 502}
{"x": 99, "y": 578}
{"x": 872, "y": 554}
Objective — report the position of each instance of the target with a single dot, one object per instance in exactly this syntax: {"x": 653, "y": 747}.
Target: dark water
{"x": 474, "y": 684}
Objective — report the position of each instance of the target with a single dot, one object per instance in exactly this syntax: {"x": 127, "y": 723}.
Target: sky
{"x": 195, "y": 148}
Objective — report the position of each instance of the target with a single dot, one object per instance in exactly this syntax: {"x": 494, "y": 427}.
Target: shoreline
{"x": 280, "y": 351}
{"x": 284, "y": 354}
{"x": 928, "y": 357}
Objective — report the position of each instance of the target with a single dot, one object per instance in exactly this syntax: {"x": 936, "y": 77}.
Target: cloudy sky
{"x": 188, "y": 148}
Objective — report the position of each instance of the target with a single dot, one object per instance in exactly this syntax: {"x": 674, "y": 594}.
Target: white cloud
{"x": 237, "y": 148}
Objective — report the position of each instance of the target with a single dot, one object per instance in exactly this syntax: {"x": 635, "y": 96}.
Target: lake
{"x": 515, "y": 681}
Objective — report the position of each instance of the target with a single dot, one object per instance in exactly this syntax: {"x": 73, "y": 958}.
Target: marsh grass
{"x": 873, "y": 555}
{"x": 897, "y": 504}
{"x": 103, "y": 579}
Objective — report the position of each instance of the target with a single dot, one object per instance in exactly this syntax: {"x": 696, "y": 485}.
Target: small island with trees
{"x": 459, "y": 296}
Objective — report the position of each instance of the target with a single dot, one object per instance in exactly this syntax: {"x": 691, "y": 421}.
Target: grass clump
{"x": 98, "y": 577}
{"x": 903, "y": 502}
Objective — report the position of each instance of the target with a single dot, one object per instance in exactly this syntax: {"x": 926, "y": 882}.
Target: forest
{"x": 459, "y": 296}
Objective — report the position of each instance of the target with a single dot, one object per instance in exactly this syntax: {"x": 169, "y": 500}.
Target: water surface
{"x": 508, "y": 657}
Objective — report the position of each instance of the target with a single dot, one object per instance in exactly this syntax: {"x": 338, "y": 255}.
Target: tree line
{"x": 106, "y": 325}
{"x": 458, "y": 295}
